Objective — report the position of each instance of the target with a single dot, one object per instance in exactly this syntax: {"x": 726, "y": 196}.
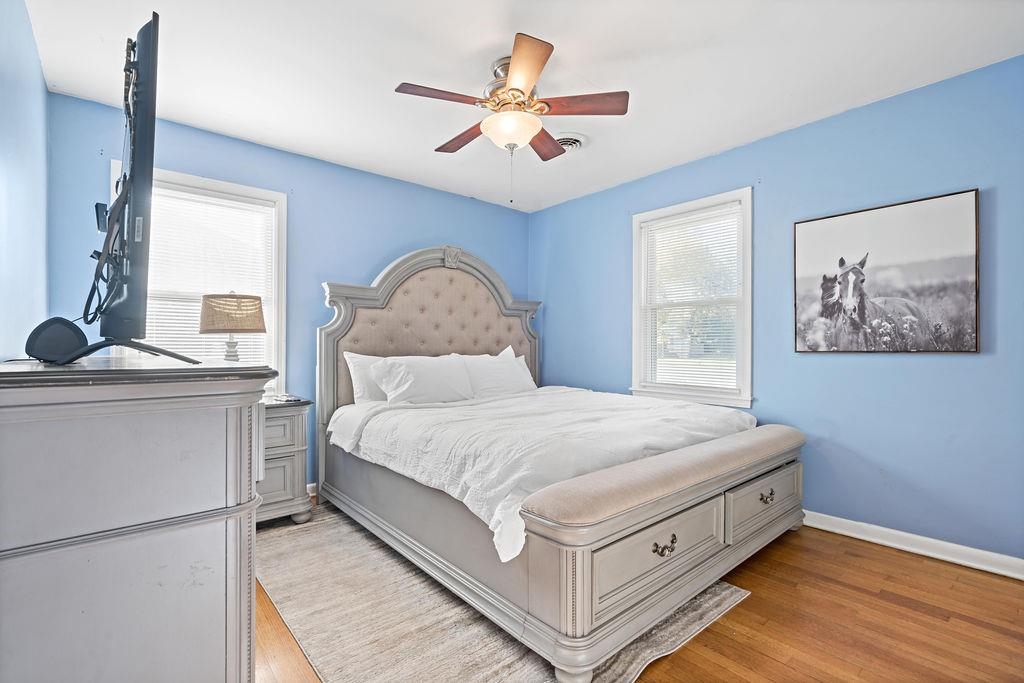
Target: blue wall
{"x": 929, "y": 444}
{"x": 22, "y": 180}
{"x": 343, "y": 225}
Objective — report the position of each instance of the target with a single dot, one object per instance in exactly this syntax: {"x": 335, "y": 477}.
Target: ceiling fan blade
{"x": 602, "y": 103}
{"x": 434, "y": 93}
{"x": 461, "y": 140}
{"x": 546, "y": 146}
{"x": 529, "y": 55}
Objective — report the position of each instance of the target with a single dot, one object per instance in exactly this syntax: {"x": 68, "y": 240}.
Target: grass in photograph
{"x": 950, "y": 325}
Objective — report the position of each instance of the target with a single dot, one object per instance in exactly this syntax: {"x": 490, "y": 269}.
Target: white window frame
{"x": 742, "y": 398}
{"x": 184, "y": 182}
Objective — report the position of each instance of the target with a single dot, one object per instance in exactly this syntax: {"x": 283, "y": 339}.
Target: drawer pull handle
{"x": 769, "y": 498}
{"x": 665, "y": 550}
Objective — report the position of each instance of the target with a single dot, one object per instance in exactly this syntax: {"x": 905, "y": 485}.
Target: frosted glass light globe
{"x": 506, "y": 128}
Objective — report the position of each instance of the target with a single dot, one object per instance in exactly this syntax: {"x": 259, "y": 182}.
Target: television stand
{"x": 127, "y": 343}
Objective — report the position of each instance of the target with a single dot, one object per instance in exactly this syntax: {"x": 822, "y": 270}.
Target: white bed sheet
{"x": 492, "y": 453}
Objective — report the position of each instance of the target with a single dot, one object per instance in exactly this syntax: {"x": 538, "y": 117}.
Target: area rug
{"x": 361, "y": 612}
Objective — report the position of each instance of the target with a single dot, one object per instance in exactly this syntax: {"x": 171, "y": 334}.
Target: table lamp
{"x": 231, "y": 313}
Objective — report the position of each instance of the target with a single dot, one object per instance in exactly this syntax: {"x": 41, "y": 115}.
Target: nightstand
{"x": 283, "y": 487}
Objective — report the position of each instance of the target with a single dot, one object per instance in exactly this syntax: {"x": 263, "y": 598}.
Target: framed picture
{"x": 896, "y": 278}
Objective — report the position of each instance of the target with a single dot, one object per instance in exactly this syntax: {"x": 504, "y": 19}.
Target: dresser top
{"x": 122, "y": 370}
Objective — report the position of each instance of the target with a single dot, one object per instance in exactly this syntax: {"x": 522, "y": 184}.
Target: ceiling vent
{"x": 571, "y": 142}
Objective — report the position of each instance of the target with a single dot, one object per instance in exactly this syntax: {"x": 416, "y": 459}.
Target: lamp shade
{"x": 511, "y": 127}
{"x": 231, "y": 313}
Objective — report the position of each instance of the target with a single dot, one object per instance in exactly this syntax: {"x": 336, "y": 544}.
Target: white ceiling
{"x": 317, "y": 76}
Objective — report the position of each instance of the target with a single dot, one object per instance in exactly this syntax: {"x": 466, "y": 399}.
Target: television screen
{"x": 123, "y": 314}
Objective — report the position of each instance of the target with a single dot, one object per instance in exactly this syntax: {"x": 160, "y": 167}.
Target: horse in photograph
{"x": 862, "y": 323}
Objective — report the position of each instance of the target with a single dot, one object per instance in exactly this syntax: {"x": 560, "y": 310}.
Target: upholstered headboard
{"x": 430, "y": 302}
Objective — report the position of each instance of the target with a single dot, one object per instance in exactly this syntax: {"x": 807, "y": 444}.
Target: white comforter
{"x": 493, "y": 453}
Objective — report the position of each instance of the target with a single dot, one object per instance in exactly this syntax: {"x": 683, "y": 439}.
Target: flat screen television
{"x": 123, "y": 314}
{"x": 118, "y": 296}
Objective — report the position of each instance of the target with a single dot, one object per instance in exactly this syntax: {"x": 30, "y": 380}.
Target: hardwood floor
{"x": 823, "y": 607}
{"x": 278, "y": 657}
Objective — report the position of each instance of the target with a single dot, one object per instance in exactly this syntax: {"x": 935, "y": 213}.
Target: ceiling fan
{"x": 512, "y": 99}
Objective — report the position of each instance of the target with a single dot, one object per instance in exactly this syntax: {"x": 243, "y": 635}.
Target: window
{"x": 691, "y": 300}
{"x": 214, "y": 237}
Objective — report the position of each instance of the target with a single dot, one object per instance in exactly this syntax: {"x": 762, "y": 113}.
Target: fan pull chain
{"x": 511, "y": 155}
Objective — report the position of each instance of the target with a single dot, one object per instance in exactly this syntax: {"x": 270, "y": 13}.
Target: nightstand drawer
{"x": 280, "y": 432}
{"x": 280, "y": 481}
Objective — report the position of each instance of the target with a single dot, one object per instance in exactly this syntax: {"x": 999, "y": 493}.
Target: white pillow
{"x": 525, "y": 368}
{"x": 422, "y": 379}
{"x": 364, "y": 388}
{"x": 498, "y": 375}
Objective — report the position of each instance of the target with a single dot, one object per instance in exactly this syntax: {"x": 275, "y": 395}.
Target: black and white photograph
{"x": 897, "y": 278}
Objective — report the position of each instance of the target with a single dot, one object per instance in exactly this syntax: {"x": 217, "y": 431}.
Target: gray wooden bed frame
{"x": 608, "y": 554}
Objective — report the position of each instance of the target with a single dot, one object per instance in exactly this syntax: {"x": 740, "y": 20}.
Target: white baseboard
{"x": 1007, "y": 565}
{"x": 311, "y": 489}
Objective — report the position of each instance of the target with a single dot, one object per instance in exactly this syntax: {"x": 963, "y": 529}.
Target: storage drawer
{"x": 281, "y": 431}
{"x": 279, "y": 481}
{"x": 109, "y": 609}
{"x": 80, "y": 457}
{"x": 756, "y": 503}
{"x": 628, "y": 565}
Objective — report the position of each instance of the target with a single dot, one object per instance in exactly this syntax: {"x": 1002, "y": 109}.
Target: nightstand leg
{"x": 301, "y": 517}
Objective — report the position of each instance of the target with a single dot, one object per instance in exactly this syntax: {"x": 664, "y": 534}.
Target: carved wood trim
{"x": 576, "y": 614}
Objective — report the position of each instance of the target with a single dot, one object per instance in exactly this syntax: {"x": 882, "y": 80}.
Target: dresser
{"x": 127, "y": 515}
{"x": 282, "y": 485}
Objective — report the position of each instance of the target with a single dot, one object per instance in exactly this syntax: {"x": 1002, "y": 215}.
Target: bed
{"x": 605, "y": 554}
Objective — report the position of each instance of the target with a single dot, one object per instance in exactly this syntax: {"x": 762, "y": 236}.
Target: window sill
{"x": 710, "y": 398}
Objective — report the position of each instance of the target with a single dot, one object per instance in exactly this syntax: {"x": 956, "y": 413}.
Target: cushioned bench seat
{"x": 599, "y": 496}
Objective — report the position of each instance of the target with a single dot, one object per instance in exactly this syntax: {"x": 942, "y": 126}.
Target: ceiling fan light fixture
{"x": 511, "y": 127}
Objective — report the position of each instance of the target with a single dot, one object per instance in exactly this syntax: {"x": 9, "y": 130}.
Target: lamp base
{"x": 231, "y": 349}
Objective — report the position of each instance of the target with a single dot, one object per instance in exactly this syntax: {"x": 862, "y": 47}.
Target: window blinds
{"x": 691, "y": 289}
{"x": 207, "y": 244}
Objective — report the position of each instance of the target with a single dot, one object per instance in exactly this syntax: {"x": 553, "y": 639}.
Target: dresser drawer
{"x": 625, "y": 567}
{"x": 109, "y": 609}
{"x": 756, "y": 503}
{"x": 281, "y": 431}
{"x": 113, "y": 466}
{"x": 280, "y": 481}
